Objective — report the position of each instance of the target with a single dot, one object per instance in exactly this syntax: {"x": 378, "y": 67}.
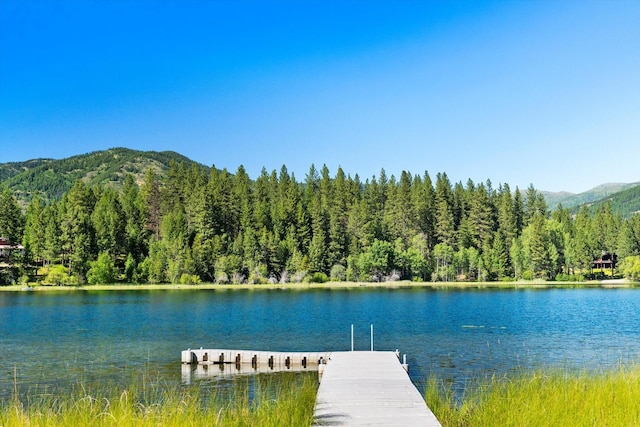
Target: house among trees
{"x": 7, "y": 267}
{"x": 607, "y": 260}
{"x": 7, "y": 250}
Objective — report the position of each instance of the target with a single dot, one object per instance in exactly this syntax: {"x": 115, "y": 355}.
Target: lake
{"x": 53, "y": 339}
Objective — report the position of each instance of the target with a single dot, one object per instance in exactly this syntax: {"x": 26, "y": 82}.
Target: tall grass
{"x": 556, "y": 398}
{"x": 272, "y": 400}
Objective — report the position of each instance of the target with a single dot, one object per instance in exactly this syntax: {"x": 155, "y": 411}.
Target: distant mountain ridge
{"x": 625, "y": 202}
{"x": 570, "y": 200}
{"x": 554, "y": 198}
{"x": 109, "y": 167}
{"x": 624, "y": 198}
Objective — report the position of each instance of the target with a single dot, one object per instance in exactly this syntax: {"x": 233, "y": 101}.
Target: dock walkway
{"x": 369, "y": 388}
{"x": 357, "y": 388}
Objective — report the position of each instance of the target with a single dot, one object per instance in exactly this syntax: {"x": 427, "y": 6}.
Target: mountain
{"x": 625, "y": 202}
{"x": 553, "y": 198}
{"x": 8, "y": 170}
{"x": 570, "y": 200}
{"x": 108, "y": 168}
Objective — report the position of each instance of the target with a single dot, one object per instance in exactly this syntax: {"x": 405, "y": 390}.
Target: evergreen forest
{"x": 197, "y": 224}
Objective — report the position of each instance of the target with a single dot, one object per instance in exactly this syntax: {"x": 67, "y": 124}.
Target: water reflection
{"x": 229, "y": 371}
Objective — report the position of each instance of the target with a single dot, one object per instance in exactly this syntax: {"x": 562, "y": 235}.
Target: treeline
{"x": 227, "y": 228}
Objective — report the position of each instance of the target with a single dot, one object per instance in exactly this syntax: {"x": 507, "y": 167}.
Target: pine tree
{"x": 584, "y": 242}
{"x": 507, "y": 221}
{"x": 195, "y": 189}
{"x": 538, "y": 246}
{"x": 52, "y": 233}
{"x": 338, "y": 217}
{"x": 151, "y": 202}
{"x": 78, "y": 228}
{"x": 629, "y": 237}
{"x": 133, "y": 211}
{"x": 480, "y": 217}
{"x": 109, "y": 223}
{"x": 262, "y": 200}
{"x": 11, "y": 221}
{"x": 518, "y": 211}
{"x": 34, "y": 231}
{"x": 400, "y": 215}
{"x": 605, "y": 228}
{"x": 423, "y": 200}
{"x": 444, "y": 219}
{"x": 530, "y": 204}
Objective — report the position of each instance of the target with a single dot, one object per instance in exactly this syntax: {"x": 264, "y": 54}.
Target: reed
{"x": 542, "y": 398}
{"x": 273, "y": 400}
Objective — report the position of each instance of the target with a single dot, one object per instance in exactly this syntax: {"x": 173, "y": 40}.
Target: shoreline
{"x": 406, "y": 284}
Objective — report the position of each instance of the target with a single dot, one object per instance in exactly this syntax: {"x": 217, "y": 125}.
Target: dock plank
{"x": 365, "y": 388}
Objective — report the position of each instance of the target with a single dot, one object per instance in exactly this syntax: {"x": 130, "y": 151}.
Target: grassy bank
{"x": 283, "y": 400}
{"x": 522, "y": 284}
{"x": 540, "y": 398}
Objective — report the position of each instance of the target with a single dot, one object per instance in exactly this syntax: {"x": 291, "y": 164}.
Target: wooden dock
{"x": 357, "y": 388}
{"x": 369, "y": 388}
{"x": 257, "y": 360}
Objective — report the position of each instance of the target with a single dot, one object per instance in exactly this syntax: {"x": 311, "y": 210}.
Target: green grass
{"x": 556, "y": 398}
{"x": 270, "y": 400}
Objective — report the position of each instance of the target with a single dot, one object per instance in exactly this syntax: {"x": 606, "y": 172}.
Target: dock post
{"x": 372, "y": 337}
{"x": 352, "y": 337}
{"x": 320, "y": 368}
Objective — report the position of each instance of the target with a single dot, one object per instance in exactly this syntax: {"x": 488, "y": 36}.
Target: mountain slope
{"x": 9, "y": 170}
{"x": 625, "y": 203}
{"x": 570, "y": 200}
{"x": 553, "y": 198}
{"x": 53, "y": 178}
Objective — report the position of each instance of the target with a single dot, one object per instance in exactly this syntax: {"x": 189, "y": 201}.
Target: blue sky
{"x": 542, "y": 92}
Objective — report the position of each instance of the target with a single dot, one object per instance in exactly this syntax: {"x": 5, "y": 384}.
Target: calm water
{"x": 58, "y": 338}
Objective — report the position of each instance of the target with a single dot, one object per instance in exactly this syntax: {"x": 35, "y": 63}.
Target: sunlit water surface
{"x": 54, "y": 339}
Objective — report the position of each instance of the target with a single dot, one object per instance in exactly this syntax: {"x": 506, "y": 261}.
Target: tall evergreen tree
{"x": 538, "y": 246}
{"x": 423, "y": 199}
{"x": 480, "y": 217}
{"x": 133, "y": 211}
{"x": 151, "y": 202}
{"x": 629, "y": 237}
{"x": 604, "y": 228}
{"x": 444, "y": 219}
{"x": 34, "y": 231}
{"x": 338, "y": 217}
{"x": 52, "y": 233}
{"x": 518, "y": 211}
{"x": 78, "y": 228}
{"x": 400, "y": 216}
{"x": 11, "y": 220}
{"x": 109, "y": 224}
{"x": 530, "y": 204}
